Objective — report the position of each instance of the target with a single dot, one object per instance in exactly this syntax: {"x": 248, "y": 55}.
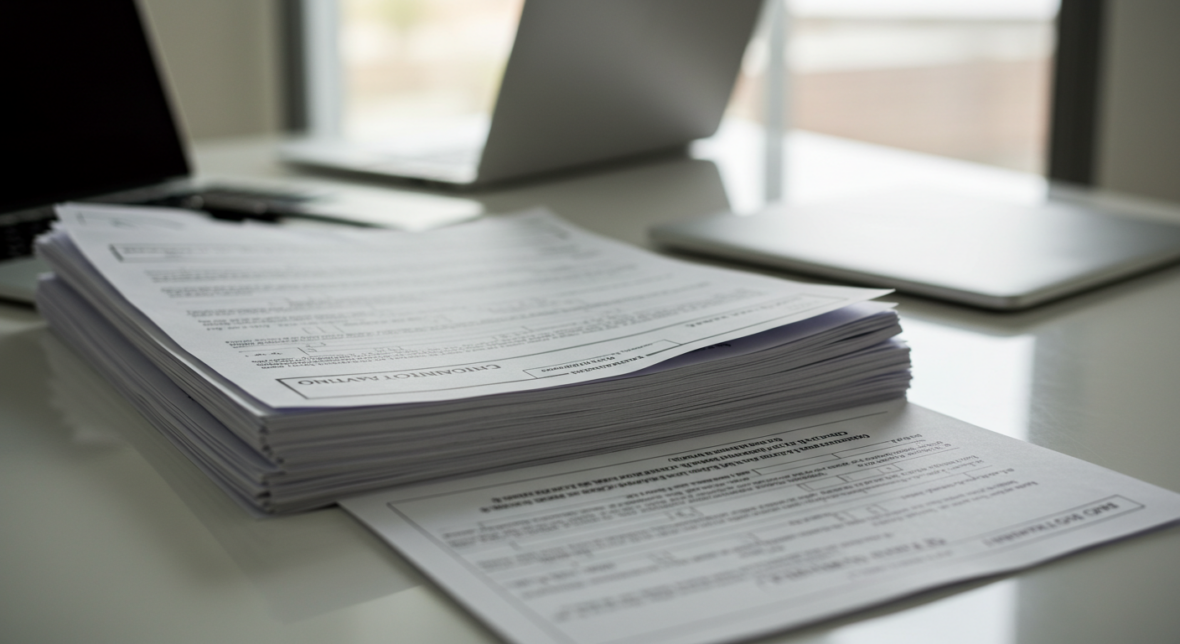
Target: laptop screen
{"x": 84, "y": 112}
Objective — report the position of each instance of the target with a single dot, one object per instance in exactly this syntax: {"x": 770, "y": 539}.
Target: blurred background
{"x": 967, "y": 79}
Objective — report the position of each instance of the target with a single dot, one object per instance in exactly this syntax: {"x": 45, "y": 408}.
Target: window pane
{"x": 968, "y": 79}
{"x": 410, "y": 64}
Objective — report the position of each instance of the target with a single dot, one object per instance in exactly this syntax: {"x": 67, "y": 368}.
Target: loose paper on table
{"x": 753, "y": 531}
{"x": 346, "y": 317}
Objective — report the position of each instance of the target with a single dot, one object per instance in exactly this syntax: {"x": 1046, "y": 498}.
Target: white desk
{"x": 108, "y": 535}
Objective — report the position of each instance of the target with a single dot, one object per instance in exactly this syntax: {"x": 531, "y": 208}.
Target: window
{"x": 968, "y": 79}
{"x": 409, "y": 63}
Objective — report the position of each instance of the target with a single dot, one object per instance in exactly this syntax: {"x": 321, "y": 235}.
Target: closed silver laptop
{"x": 985, "y": 253}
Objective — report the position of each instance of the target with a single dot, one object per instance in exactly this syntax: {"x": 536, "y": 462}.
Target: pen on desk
{"x": 238, "y": 205}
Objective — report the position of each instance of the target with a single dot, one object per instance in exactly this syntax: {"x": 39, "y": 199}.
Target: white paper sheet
{"x": 325, "y": 318}
{"x": 753, "y": 531}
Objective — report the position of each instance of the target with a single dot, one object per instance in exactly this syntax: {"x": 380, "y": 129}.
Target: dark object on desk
{"x": 972, "y": 251}
{"x": 18, "y": 229}
{"x": 586, "y": 83}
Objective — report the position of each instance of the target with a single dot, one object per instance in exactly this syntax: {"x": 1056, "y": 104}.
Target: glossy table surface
{"x": 108, "y": 535}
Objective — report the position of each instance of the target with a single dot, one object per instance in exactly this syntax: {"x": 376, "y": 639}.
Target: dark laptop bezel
{"x": 88, "y": 113}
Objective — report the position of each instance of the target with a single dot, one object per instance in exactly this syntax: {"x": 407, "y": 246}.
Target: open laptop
{"x": 586, "y": 82}
{"x": 86, "y": 117}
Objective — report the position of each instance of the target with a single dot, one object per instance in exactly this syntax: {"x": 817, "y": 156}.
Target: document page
{"x": 335, "y": 318}
{"x": 754, "y": 531}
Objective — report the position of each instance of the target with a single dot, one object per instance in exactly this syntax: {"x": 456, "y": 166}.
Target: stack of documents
{"x": 298, "y": 366}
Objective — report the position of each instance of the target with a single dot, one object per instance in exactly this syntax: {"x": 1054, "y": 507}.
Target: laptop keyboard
{"x": 18, "y": 229}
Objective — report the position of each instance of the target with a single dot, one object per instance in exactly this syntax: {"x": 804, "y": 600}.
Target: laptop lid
{"x": 84, "y": 111}
{"x": 594, "y": 81}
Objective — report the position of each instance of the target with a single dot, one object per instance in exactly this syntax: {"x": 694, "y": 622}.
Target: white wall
{"x": 221, "y": 59}
{"x": 1139, "y": 132}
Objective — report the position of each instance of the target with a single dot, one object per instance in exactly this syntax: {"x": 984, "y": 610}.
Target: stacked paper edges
{"x": 791, "y": 349}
